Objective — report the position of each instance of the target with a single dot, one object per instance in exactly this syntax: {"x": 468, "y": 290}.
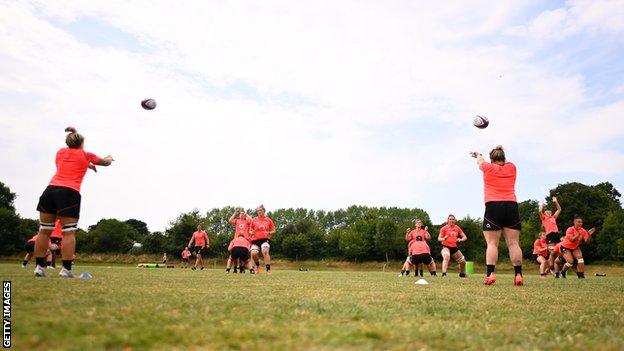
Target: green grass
{"x": 165, "y": 309}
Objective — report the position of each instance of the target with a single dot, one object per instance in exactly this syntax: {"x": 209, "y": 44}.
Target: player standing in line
{"x": 501, "y": 212}
{"x": 241, "y": 227}
{"x": 541, "y": 254}
{"x": 61, "y": 200}
{"x": 185, "y": 257}
{"x": 450, "y": 235}
{"x": 261, "y": 229}
{"x": 201, "y": 241}
{"x": 420, "y": 253}
{"x": 553, "y": 236}
{"x": 570, "y": 246}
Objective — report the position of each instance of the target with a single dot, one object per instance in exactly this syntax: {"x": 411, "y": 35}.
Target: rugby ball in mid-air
{"x": 148, "y": 104}
{"x": 480, "y": 122}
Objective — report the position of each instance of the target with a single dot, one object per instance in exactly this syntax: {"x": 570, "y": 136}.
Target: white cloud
{"x": 366, "y": 71}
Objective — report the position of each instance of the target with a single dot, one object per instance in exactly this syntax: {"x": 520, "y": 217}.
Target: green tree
{"x": 156, "y": 242}
{"x": 6, "y": 197}
{"x": 140, "y": 227}
{"x": 354, "y": 244}
{"x": 612, "y": 232}
{"x": 296, "y": 246}
{"x": 112, "y": 236}
{"x": 386, "y": 238}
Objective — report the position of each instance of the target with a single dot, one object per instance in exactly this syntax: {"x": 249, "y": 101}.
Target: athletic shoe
{"x": 251, "y": 271}
{"x": 64, "y": 273}
{"x": 39, "y": 272}
{"x": 23, "y": 266}
{"x": 518, "y": 280}
{"x": 491, "y": 279}
{"x": 269, "y": 272}
{"x": 202, "y": 269}
{"x": 461, "y": 275}
{"x": 50, "y": 267}
{"x": 193, "y": 268}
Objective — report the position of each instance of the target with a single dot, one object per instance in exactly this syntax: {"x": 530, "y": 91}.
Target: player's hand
{"x": 408, "y": 230}
{"x": 554, "y": 199}
{"x": 473, "y": 154}
{"x": 92, "y": 167}
{"x": 591, "y": 231}
{"x": 426, "y": 228}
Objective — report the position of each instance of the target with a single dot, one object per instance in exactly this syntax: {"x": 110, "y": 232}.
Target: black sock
{"x": 490, "y": 269}
{"x": 444, "y": 274}
{"x": 41, "y": 262}
{"x": 402, "y": 271}
{"x": 407, "y": 273}
{"x": 433, "y": 274}
{"x": 257, "y": 263}
{"x": 67, "y": 264}
{"x": 24, "y": 263}
{"x": 268, "y": 267}
{"x": 227, "y": 269}
{"x": 518, "y": 270}
{"x": 581, "y": 275}
{"x": 462, "y": 274}
{"x": 556, "y": 274}
{"x": 421, "y": 272}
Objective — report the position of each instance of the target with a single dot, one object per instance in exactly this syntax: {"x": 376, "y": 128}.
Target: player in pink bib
{"x": 449, "y": 236}
{"x": 261, "y": 229}
{"x": 61, "y": 200}
{"x": 200, "y": 238}
{"x": 549, "y": 221}
{"x": 570, "y": 246}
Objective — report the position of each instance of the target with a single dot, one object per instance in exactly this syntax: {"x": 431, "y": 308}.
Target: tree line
{"x": 356, "y": 233}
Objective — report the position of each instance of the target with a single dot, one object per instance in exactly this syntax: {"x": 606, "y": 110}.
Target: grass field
{"x": 136, "y": 309}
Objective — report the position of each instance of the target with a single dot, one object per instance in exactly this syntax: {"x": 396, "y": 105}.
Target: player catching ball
{"x": 541, "y": 254}
{"x": 61, "y": 200}
{"x": 242, "y": 222}
{"x": 501, "y": 212}
{"x": 549, "y": 221}
{"x": 449, "y": 236}
{"x": 261, "y": 229}
{"x": 570, "y": 246}
{"x": 201, "y": 241}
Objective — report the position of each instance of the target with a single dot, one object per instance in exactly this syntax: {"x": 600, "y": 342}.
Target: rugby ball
{"x": 148, "y": 104}
{"x": 480, "y": 122}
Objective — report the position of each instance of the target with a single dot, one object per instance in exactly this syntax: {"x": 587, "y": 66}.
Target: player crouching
{"x": 239, "y": 251}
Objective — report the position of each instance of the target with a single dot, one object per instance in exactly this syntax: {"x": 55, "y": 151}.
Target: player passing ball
{"x": 61, "y": 200}
{"x": 501, "y": 212}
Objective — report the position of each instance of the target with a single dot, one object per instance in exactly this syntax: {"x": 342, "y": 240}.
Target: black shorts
{"x": 29, "y": 247}
{"x": 185, "y": 260}
{"x": 501, "y": 214}
{"x": 453, "y": 250}
{"x": 60, "y": 201}
{"x": 553, "y": 238}
{"x": 421, "y": 258}
{"x": 199, "y": 250}
{"x": 240, "y": 253}
{"x": 56, "y": 240}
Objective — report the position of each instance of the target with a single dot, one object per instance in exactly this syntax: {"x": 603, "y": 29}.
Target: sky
{"x": 315, "y": 104}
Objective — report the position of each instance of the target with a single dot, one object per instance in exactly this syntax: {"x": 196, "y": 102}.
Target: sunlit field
{"x": 137, "y": 309}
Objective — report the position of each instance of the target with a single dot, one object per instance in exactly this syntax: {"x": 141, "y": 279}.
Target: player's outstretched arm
{"x": 558, "y": 212}
{"x": 478, "y": 156}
